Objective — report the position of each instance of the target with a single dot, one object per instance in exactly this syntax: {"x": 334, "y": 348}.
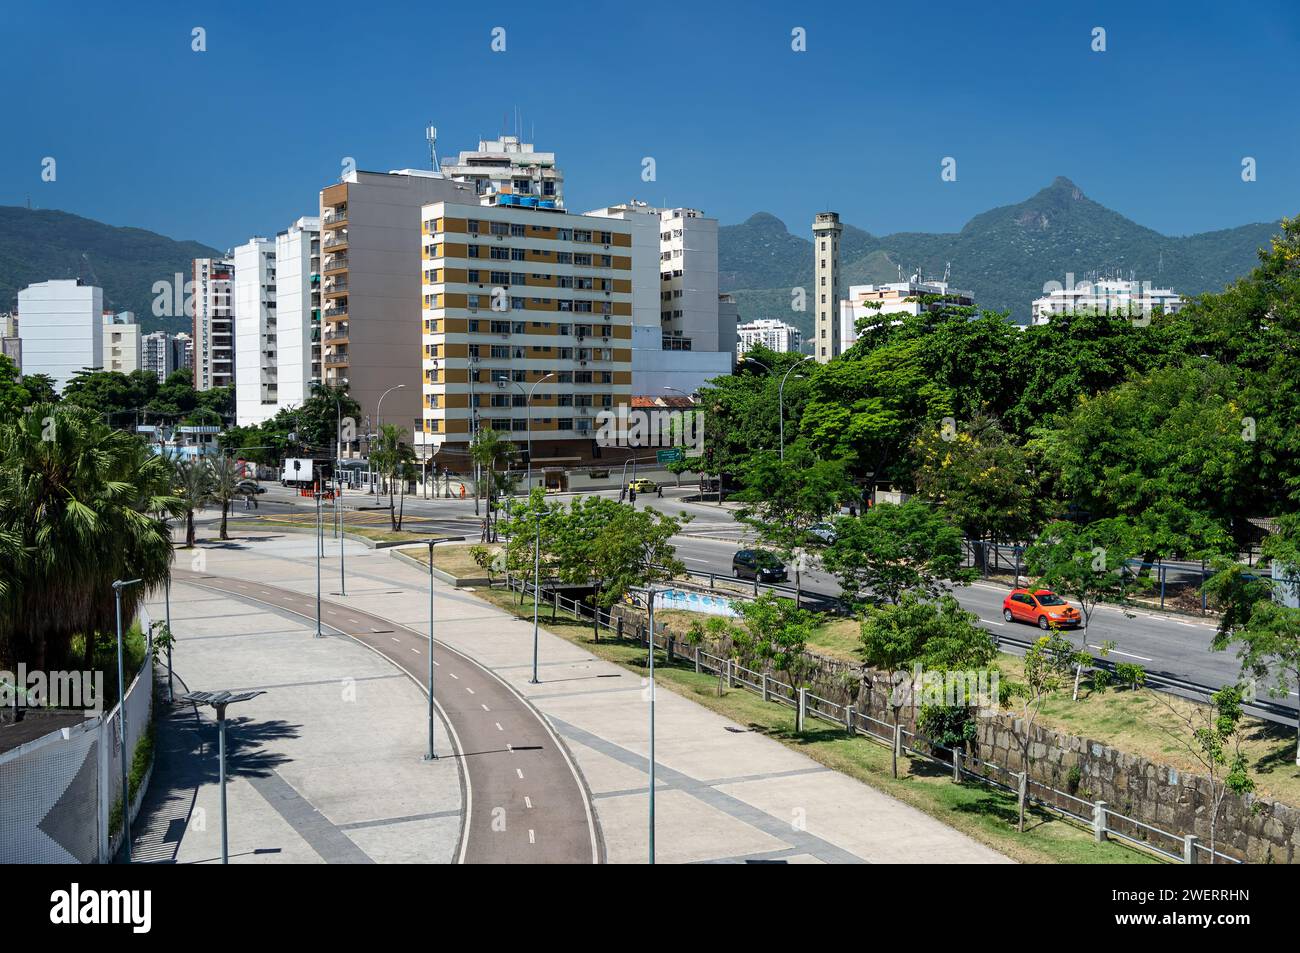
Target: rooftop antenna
{"x": 431, "y": 134}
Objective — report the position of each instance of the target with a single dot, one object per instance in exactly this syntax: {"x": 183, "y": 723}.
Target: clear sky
{"x": 237, "y": 140}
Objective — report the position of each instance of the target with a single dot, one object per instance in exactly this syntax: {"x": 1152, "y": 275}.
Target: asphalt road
{"x": 524, "y": 801}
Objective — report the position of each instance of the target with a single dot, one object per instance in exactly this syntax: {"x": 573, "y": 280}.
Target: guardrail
{"x": 1097, "y": 816}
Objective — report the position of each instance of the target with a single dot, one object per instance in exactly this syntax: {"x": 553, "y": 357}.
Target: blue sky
{"x": 237, "y": 141}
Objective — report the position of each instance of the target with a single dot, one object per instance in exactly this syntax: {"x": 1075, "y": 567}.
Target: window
{"x": 472, "y": 276}
{"x": 500, "y": 228}
{"x": 517, "y": 230}
{"x": 472, "y": 251}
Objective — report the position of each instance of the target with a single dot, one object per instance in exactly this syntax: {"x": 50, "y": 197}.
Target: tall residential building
{"x": 690, "y": 337}
{"x": 121, "y": 343}
{"x": 182, "y": 352}
{"x": 61, "y": 327}
{"x": 506, "y": 171}
{"x": 256, "y": 381}
{"x": 214, "y": 330}
{"x": 826, "y": 285}
{"x": 771, "y": 334}
{"x": 298, "y": 310}
{"x": 370, "y": 234}
{"x": 899, "y": 297}
{"x": 157, "y": 354}
{"x": 1106, "y": 296}
{"x": 521, "y": 301}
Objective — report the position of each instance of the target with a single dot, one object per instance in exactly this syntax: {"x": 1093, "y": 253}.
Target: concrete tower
{"x": 826, "y": 278}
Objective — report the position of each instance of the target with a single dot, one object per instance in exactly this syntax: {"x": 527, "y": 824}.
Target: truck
{"x": 304, "y": 472}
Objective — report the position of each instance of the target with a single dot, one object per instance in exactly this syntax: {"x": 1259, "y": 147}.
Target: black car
{"x": 758, "y": 564}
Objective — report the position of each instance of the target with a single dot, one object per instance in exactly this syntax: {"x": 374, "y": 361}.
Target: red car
{"x": 1042, "y": 607}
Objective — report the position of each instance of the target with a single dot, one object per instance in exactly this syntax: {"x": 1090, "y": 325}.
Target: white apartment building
{"x": 256, "y": 381}
{"x": 897, "y": 297}
{"x": 689, "y": 336}
{"x": 214, "y": 331}
{"x": 182, "y": 352}
{"x": 61, "y": 327}
{"x": 157, "y": 355}
{"x": 507, "y": 171}
{"x": 11, "y": 346}
{"x": 121, "y": 343}
{"x": 827, "y": 231}
{"x": 1105, "y": 296}
{"x": 298, "y": 310}
{"x": 769, "y": 333}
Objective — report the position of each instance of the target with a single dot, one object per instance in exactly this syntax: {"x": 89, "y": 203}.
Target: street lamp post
{"x": 650, "y": 599}
{"x": 528, "y": 480}
{"x": 537, "y": 589}
{"x": 118, "y": 586}
{"x": 431, "y": 754}
{"x": 780, "y": 401}
{"x": 339, "y": 518}
{"x": 219, "y": 701}
{"x": 379, "y": 428}
{"x": 691, "y": 398}
{"x": 320, "y": 544}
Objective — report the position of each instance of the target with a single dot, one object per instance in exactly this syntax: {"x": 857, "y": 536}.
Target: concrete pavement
{"x": 727, "y": 795}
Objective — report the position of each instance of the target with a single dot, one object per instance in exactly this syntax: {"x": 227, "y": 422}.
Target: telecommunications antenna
{"x": 431, "y": 134}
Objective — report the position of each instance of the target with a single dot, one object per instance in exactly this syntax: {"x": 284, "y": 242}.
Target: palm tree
{"x": 489, "y": 451}
{"x": 78, "y": 505}
{"x": 393, "y": 458}
{"x": 194, "y": 488}
{"x": 225, "y": 476}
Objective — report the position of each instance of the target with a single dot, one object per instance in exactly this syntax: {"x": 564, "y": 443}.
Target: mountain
{"x": 38, "y": 244}
{"x": 1004, "y": 255}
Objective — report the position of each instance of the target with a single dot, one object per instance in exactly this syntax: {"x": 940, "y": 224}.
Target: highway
{"x": 524, "y": 801}
{"x": 1165, "y": 644}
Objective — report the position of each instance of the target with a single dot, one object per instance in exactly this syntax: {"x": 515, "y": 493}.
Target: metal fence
{"x": 1097, "y": 816}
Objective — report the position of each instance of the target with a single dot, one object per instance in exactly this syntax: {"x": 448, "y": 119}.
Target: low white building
{"x": 1114, "y": 296}
{"x": 769, "y": 333}
{"x": 898, "y": 297}
{"x": 61, "y": 327}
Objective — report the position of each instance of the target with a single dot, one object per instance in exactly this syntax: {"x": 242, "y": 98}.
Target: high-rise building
{"x": 256, "y": 380}
{"x": 900, "y": 297}
{"x": 506, "y": 171}
{"x": 298, "y": 310}
{"x": 182, "y": 352}
{"x": 1113, "y": 296}
{"x": 11, "y": 345}
{"x": 522, "y": 302}
{"x": 771, "y": 334}
{"x": 826, "y": 285}
{"x": 121, "y": 342}
{"x": 370, "y": 234}
{"x": 214, "y": 331}
{"x": 61, "y": 327}
{"x": 157, "y": 355}
{"x": 690, "y": 336}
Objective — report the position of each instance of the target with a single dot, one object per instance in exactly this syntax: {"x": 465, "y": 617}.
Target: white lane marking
{"x": 499, "y": 728}
{"x": 354, "y": 621}
{"x": 468, "y": 689}
{"x": 330, "y": 612}
{"x": 528, "y": 803}
{"x": 531, "y": 837}
{"x": 395, "y": 639}
{"x": 454, "y": 675}
{"x": 416, "y": 651}
{"x": 485, "y": 707}
{"x": 991, "y": 622}
{"x": 519, "y": 771}
{"x": 1118, "y": 652}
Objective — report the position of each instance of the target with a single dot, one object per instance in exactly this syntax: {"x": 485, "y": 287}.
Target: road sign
{"x": 672, "y": 455}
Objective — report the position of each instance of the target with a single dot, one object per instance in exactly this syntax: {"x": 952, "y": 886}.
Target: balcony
{"x": 336, "y": 288}
{"x": 336, "y": 334}
{"x": 336, "y": 241}
{"x": 336, "y": 359}
{"x": 336, "y": 263}
{"x": 335, "y": 217}
{"x": 338, "y": 313}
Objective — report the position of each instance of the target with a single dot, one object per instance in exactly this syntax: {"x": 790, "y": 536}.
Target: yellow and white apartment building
{"x": 524, "y": 303}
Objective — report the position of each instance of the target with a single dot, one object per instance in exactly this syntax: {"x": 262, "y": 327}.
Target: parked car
{"x": 758, "y": 564}
{"x": 642, "y": 485}
{"x": 822, "y": 532}
{"x": 1042, "y": 607}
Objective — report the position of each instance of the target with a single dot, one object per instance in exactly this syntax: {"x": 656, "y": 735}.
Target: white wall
{"x": 61, "y": 328}
{"x": 254, "y": 332}
{"x": 293, "y": 310}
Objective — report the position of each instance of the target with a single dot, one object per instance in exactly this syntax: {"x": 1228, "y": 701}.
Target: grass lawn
{"x": 379, "y": 532}
{"x": 985, "y": 814}
{"x": 453, "y": 558}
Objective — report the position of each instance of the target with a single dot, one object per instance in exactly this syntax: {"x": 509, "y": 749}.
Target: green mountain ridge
{"x": 1004, "y": 256}
{"x": 44, "y": 244}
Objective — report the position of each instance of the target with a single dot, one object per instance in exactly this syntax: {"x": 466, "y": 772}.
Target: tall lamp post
{"x": 379, "y": 426}
{"x": 118, "y": 586}
{"x": 339, "y": 518}
{"x": 219, "y": 701}
{"x": 780, "y": 400}
{"x": 320, "y": 544}
{"x": 537, "y": 588}
{"x": 431, "y": 754}
{"x": 650, "y": 600}
{"x": 529, "y": 478}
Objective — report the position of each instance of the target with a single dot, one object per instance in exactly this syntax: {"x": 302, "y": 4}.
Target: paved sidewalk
{"x": 324, "y": 767}
{"x": 724, "y": 795}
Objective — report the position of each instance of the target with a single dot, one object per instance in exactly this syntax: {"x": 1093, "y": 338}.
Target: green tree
{"x": 890, "y": 550}
{"x": 394, "y": 460}
{"x": 224, "y": 476}
{"x": 492, "y": 451}
{"x": 776, "y": 632}
{"x": 1047, "y": 665}
{"x": 783, "y": 498}
{"x": 193, "y": 487}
